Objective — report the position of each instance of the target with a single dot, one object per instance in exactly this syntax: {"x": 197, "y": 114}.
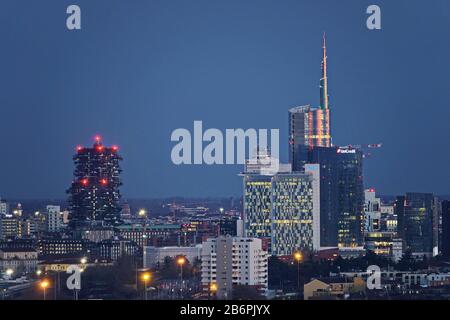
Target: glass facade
{"x": 280, "y": 207}
{"x": 415, "y": 213}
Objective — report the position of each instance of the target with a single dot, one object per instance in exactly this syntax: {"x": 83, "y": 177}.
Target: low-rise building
{"x": 19, "y": 260}
{"x": 333, "y": 288}
{"x": 155, "y": 255}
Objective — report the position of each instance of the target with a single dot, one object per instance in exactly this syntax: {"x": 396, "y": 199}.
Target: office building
{"x": 19, "y": 260}
{"x": 416, "y": 212}
{"x": 283, "y": 207}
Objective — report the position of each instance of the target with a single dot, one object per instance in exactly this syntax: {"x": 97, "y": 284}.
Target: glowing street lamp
{"x": 38, "y": 272}
{"x": 9, "y": 272}
{"x": 146, "y": 277}
{"x": 213, "y": 289}
{"x": 298, "y": 257}
{"x": 181, "y": 261}
{"x": 83, "y": 260}
{"x": 142, "y": 213}
{"x": 44, "y": 285}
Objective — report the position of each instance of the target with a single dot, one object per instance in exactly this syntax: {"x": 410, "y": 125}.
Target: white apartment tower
{"x": 54, "y": 219}
{"x": 229, "y": 261}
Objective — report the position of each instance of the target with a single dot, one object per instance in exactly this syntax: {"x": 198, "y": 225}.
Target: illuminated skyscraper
{"x": 416, "y": 213}
{"x": 310, "y": 126}
{"x": 94, "y": 193}
{"x": 283, "y": 207}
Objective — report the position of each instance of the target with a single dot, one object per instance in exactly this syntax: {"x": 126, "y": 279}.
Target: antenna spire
{"x": 324, "y": 103}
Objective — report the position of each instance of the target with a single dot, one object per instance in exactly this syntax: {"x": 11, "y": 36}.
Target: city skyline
{"x": 199, "y": 152}
{"x": 184, "y": 70}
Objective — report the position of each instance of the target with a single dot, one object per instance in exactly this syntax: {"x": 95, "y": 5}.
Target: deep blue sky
{"x": 139, "y": 69}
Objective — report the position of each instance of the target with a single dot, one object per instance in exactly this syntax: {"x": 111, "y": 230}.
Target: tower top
{"x": 324, "y": 99}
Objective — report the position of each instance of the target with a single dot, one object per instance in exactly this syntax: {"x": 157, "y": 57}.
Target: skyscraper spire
{"x": 324, "y": 80}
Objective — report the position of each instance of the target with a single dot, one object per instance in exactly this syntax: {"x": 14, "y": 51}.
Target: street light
{"x": 181, "y": 261}
{"x": 9, "y": 272}
{"x": 44, "y": 285}
{"x": 38, "y": 272}
{"x": 146, "y": 277}
{"x": 213, "y": 288}
{"x": 83, "y": 260}
{"x": 298, "y": 257}
{"x": 142, "y": 213}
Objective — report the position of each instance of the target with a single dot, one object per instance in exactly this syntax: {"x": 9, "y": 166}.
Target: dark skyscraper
{"x": 416, "y": 212}
{"x": 446, "y": 229}
{"x": 94, "y": 193}
{"x": 351, "y": 197}
{"x": 341, "y": 193}
{"x": 327, "y": 158}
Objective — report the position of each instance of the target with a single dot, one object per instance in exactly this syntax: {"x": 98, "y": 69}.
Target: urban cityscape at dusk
{"x": 225, "y": 151}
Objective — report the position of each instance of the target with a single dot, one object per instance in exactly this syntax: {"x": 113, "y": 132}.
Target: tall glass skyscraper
{"x": 416, "y": 213}
{"x": 341, "y": 177}
{"x": 341, "y": 193}
{"x": 310, "y": 126}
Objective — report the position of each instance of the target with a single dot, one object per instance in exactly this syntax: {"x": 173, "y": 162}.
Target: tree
{"x": 242, "y": 292}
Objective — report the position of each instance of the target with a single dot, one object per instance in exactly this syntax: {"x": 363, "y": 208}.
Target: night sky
{"x": 139, "y": 69}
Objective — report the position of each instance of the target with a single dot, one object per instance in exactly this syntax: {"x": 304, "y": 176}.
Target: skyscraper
{"x": 341, "y": 193}
{"x": 310, "y": 126}
{"x": 446, "y": 229}
{"x": 341, "y": 179}
{"x": 351, "y": 197}
{"x": 283, "y": 207}
{"x": 416, "y": 212}
{"x": 94, "y": 193}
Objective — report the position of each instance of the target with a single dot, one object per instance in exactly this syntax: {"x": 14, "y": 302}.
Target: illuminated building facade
{"x": 351, "y": 197}
{"x": 257, "y": 205}
{"x": 341, "y": 193}
{"x": 284, "y": 208}
{"x": 310, "y": 126}
{"x": 9, "y": 228}
{"x": 293, "y": 213}
{"x": 94, "y": 194}
{"x": 415, "y": 213}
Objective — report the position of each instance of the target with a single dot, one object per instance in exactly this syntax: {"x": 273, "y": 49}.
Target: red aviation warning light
{"x": 79, "y": 148}
{"x": 98, "y": 138}
{"x": 100, "y": 148}
{"x": 104, "y": 182}
{"x": 115, "y": 148}
{"x": 84, "y": 182}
